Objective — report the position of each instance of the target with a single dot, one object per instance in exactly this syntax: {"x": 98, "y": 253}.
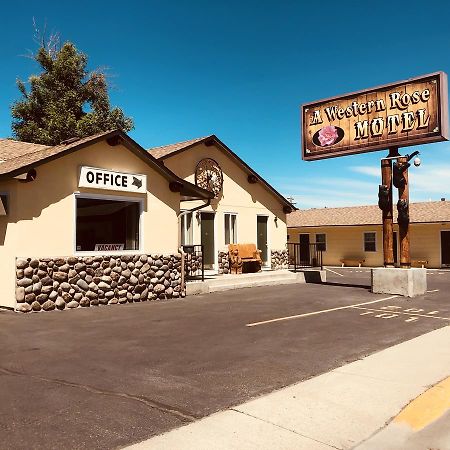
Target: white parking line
{"x": 332, "y": 271}
{"x": 299, "y": 316}
{"x": 401, "y": 312}
{"x": 434, "y": 290}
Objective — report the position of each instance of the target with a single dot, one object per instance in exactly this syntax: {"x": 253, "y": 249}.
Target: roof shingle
{"x": 164, "y": 150}
{"x": 16, "y": 154}
{"x": 424, "y": 212}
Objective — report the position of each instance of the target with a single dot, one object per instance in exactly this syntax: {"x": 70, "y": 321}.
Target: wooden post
{"x": 403, "y": 194}
{"x": 388, "y": 230}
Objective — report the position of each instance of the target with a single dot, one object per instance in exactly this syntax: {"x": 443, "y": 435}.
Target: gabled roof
{"x": 166, "y": 151}
{"x": 18, "y": 157}
{"x": 424, "y": 212}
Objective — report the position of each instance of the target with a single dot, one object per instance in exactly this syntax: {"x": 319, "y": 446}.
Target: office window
{"x": 321, "y": 241}
{"x": 230, "y": 229}
{"x": 370, "y": 242}
{"x": 186, "y": 229}
{"x": 105, "y": 225}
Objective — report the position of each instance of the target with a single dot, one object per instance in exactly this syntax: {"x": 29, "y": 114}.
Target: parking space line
{"x": 332, "y": 271}
{"x": 412, "y": 319}
{"x": 299, "y": 316}
{"x": 401, "y": 312}
{"x": 434, "y": 290}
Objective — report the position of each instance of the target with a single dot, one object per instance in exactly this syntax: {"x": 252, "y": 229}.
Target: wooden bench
{"x": 352, "y": 262}
{"x": 419, "y": 262}
{"x": 246, "y": 253}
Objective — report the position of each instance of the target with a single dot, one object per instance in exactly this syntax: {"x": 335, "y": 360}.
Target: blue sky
{"x": 241, "y": 69}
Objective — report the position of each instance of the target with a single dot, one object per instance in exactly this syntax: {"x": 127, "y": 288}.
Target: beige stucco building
{"x": 353, "y": 234}
{"x": 245, "y": 210}
{"x": 99, "y": 220}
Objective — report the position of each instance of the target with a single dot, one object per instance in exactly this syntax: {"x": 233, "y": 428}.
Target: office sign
{"x": 93, "y": 177}
{"x": 400, "y": 114}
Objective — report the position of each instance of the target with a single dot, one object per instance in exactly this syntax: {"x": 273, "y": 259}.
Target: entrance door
{"x": 304, "y": 250}
{"x": 445, "y": 248}
{"x": 261, "y": 230}
{"x": 207, "y": 232}
{"x": 395, "y": 243}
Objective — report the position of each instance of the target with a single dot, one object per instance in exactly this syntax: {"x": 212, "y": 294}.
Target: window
{"x": 104, "y": 225}
{"x": 186, "y": 229}
{"x": 230, "y": 229}
{"x": 370, "y": 242}
{"x": 321, "y": 241}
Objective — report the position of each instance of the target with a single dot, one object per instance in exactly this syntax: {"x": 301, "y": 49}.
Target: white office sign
{"x": 93, "y": 177}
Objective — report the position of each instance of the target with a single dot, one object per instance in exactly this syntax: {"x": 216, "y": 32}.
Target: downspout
{"x": 183, "y": 213}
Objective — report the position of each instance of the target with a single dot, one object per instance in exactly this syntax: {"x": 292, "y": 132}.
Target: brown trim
{"x": 186, "y": 188}
{"x": 213, "y": 139}
{"x": 366, "y": 224}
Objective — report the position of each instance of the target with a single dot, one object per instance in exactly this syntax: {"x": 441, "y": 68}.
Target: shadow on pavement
{"x": 362, "y": 286}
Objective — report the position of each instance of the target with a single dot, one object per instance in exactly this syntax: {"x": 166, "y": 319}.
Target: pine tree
{"x": 65, "y": 100}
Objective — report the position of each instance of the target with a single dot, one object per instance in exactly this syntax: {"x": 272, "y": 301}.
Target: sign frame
{"x": 442, "y": 120}
{"x": 139, "y": 186}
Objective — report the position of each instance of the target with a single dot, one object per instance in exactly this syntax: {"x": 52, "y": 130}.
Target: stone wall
{"x": 193, "y": 264}
{"x": 59, "y": 283}
{"x": 224, "y": 262}
{"x": 279, "y": 259}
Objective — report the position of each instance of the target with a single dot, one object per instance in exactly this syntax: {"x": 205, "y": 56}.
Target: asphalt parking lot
{"x": 111, "y": 376}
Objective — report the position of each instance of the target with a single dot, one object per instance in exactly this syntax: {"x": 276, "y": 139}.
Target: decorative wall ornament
{"x": 209, "y": 176}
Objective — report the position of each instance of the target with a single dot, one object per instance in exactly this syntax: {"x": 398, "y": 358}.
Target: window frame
{"x": 375, "y": 241}
{"x": 184, "y": 214}
{"x": 235, "y": 226}
{"x": 78, "y": 195}
{"x": 324, "y": 243}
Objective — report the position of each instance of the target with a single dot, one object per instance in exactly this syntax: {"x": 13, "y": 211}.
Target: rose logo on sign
{"x": 328, "y": 135}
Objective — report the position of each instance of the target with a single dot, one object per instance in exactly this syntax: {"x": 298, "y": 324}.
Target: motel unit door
{"x": 305, "y": 256}
{"x": 262, "y": 244}
{"x": 207, "y": 239}
{"x": 445, "y": 248}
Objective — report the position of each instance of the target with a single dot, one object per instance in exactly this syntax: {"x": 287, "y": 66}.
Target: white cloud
{"x": 367, "y": 170}
{"x": 358, "y": 185}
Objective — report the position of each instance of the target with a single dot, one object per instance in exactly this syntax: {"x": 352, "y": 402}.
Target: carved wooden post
{"x": 403, "y": 216}
{"x": 388, "y": 230}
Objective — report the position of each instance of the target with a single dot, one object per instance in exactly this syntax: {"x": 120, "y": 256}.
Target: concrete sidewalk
{"x": 339, "y": 409}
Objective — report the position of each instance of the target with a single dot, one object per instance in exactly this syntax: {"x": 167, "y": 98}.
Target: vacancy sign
{"x": 93, "y": 177}
{"x": 404, "y": 113}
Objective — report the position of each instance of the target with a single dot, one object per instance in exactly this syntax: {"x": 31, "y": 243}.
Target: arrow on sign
{"x": 137, "y": 182}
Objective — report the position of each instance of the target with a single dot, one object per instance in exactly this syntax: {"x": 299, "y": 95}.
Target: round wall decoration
{"x": 209, "y": 176}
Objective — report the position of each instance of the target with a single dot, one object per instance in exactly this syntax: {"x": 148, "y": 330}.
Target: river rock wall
{"x": 71, "y": 282}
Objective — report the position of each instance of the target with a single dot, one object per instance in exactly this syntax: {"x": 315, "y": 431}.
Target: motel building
{"x": 353, "y": 236}
{"x": 101, "y": 220}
